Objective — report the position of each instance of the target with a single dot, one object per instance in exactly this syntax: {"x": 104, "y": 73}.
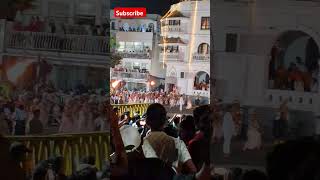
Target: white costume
{"x": 228, "y": 131}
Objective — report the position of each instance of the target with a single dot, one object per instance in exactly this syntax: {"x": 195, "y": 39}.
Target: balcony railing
{"x": 171, "y": 56}
{"x": 79, "y": 44}
{"x": 72, "y": 147}
{"x": 135, "y": 55}
{"x": 296, "y": 100}
{"x": 129, "y": 75}
{"x": 202, "y": 93}
{"x": 201, "y": 57}
{"x": 174, "y": 29}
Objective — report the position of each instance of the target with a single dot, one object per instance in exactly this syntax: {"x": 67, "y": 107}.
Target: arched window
{"x": 204, "y": 48}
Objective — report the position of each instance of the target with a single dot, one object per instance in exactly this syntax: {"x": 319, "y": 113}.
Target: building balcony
{"x": 201, "y": 93}
{"x": 129, "y": 76}
{"x": 171, "y": 56}
{"x": 201, "y": 57}
{"x": 173, "y": 29}
{"x": 304, "y": 101}
{"x": 134, "y": 55}
{"x": 63, "y": 43}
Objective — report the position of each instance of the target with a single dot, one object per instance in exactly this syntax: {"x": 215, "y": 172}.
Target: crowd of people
{"x": 296, "y": 77}
{"x": 48, "y": 110}
{"x": 181, "y": 147}
{"x": 37, "y": 24}
{"x": 155, "y": 146}
{"x": 173, "y": 99}
{"x": 203, "y": 86}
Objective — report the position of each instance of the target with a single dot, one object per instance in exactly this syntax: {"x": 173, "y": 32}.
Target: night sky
{"x": 153, "y": 6}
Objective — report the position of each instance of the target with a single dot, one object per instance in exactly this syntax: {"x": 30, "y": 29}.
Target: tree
{"x": 9, "y": 8}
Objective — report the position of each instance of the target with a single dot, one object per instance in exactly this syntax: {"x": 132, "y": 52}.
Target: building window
{"x": 205, "y": 23}
{"x": 204, "y": 48}
{"x": 231, "y": 42}
{"x": 171, "y": 23}
{"x": 182, "y": 75}
{"x": 113, "y": 25}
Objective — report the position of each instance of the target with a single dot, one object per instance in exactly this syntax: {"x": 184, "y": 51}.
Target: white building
{"x": 246, "y": 32}
{"x": 185, "y": 47}
{"x": 136, "y": 41}
{"x": 75, "y": 55}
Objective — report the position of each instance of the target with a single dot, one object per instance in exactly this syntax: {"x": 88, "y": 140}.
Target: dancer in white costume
{"x": 189, "y": 103}
{"x": 228, "y": 127}
{"x": 254, "y": 135}
{"x": 181, "y": 103}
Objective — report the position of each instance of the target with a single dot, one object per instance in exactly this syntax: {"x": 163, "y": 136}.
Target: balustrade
{"x": 132, "y": 108}
{"x": 171, "y": 56}
{"x": 81, "y": 44}
{"x": 71, "y": 147}
{"x": 133, "y": 75}
{"x": 135, "y": 55}
{"x": 174, "y": 28}
{"x": 201, "y": 57}
{"x": 296, "y": 100}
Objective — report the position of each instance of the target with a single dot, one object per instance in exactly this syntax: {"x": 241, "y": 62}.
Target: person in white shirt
{"x": 228, "y": 128}
{"x": 156, "y": 119}
{"x": 181, "y": 103}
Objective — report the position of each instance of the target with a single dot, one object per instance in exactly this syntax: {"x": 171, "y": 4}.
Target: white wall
{"x": 244, "y": 73}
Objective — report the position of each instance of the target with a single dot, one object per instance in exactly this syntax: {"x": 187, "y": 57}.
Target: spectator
{"x": 199, "y": 146}
{"x": 187, "y": 129}
{"x": 4, "y": 126}
{"x": 35, "y": 126}
{"x": 156, "y": 119}
{"x": 57, "y": 165}
{"x": 10, "y": 168}
{"x": 229, "y": 129}
{"x": 294, "y": 160}
{"x": 19, "y": 117}
{"x": 254, "y": 175}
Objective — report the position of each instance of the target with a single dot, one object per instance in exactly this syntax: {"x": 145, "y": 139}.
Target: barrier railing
{"x": 132, "y": 108}
{"x": 81, "y": 44}
{"x": 72, "y": 147}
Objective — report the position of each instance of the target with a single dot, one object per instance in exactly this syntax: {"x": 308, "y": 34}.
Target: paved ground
{"x": 253, "y": 158}
{"x": 248, "y": 159}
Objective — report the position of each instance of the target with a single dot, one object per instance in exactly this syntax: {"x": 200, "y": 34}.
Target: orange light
{"x": 152, "y": 83}
{"x": 115, "y": 84}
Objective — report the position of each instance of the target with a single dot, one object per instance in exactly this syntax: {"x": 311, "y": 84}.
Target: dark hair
{"x": 156, "y": 116}
{"x": 203, "y": 119}
{"x": 85, "y": 174}
{"x": 89, "y": 160}
{"x": 254, "y": 175}
{"x": 197, "y": 112}
{"x": 57, "y": 163}
{"x": 187, "y": 129}
{"x": 40, "y": 170}
{"x": 36, "y": 112}
{"x": 294, "y": 160}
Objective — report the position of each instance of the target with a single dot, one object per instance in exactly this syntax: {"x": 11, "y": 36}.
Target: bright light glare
{"x": 115, "y": 83}
{"x": 17, "y": 70}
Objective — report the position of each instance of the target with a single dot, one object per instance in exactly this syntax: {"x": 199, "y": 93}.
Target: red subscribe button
{"x": 130, "y": 12}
